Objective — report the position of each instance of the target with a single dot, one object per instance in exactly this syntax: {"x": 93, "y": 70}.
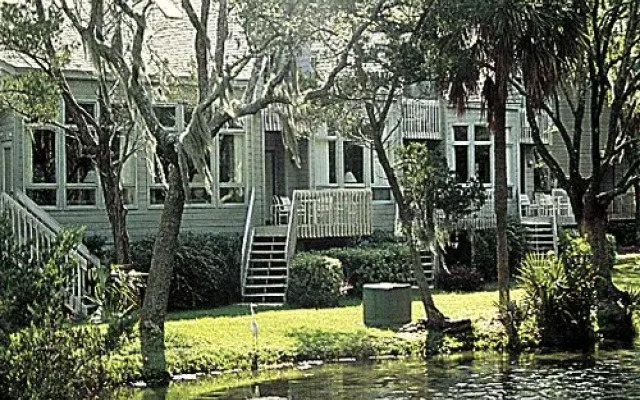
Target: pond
{"x": 605, "y": 375}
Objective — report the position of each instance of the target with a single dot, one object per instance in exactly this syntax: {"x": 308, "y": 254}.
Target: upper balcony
{"x": 420, "y": 119}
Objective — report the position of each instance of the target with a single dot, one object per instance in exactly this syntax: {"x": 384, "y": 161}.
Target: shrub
{"x": 459, "y": 278}
{"x": 389, "y": 262}
{"x": 568, "y": 239}
{"x": 34, "y": 290}
{"x": 206, "y": 270}
{"x": 53, "y": 363}
{"x": 562, "y": 295}
{"x": 314, "y": 281}
{"x": 484, "y": 252}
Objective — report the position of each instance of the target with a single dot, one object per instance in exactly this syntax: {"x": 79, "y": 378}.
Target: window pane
{"x": 332, "y": 162}
{"x": 79, "y": 165}
{"x": 199, "y": 195}
{"x": 482, "y": 133}
{"x": 157, "y": 195}
{"x": 43, "y": 197}
{"x": 81, "y": 197}
{"x": 88, "y": 107}
{"x": 460, "y": 133}
{"x": 166, "y": 115}
{"x": 43, "y": 157}
{"x": 483, "y": 163}
{"x": 231, "y": 195}
{"x": 462, "y": 163}
{"x": 353, "y": 155}
{"x": 231, "y": 158}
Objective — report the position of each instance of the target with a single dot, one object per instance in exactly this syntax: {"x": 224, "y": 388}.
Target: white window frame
{"x": 340, "y": 140}
{"x": 28, "y": 183}
{"x": 240, "y": 130}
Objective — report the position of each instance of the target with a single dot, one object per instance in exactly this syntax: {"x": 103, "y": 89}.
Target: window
{"x": 472, "y": 156}
{"x": 41, "y": 167}
{"x": 166, "y": 114}
{"x": 231, "y": 167}
{"x": 88, "y": 106}
{"x": 380, "y": 190}
{"x": 353, "y": 161}
{"x": 81, "y": 176}
{"x": 339, "y": 161}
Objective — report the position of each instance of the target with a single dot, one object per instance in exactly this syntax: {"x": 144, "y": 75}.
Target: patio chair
{"x": 280, "y": 208}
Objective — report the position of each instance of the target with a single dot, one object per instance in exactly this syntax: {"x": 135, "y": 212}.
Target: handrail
{"x": 31, "y": 230}
{"x": 247, "y": 238}
{"x": 37, "y": 212}
{"x": 292, "y": 236}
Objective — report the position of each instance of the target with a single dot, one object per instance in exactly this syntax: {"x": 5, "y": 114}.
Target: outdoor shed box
{"x": 386, "y": 303}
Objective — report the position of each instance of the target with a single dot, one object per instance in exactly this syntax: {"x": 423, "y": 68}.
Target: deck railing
{"x": 34, "y": 228}
{"x": 332, "y": 213}
{"x": 544, "y": 124}
{"x": 420, "y": 119}
{"x": 247, "y": 238}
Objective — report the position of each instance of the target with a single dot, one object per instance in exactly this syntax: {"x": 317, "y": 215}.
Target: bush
{"x": 568, "y": 239}
{"x": 562, "y": 298}
{"x": 34, "y": 290}
{"x": 314, "y": 281}
{"x": 459, "y": 278}
{"x": 484, "y": 253}
{"x": 53, "y": 363}
{"x": 206, "y": 270}
{"x": 390, "y": 262}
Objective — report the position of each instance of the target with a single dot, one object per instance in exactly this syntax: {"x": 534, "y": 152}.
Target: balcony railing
{"x": 545, "y": 125}
{"x": 420, "y": 119}
{"x": 332, "y": 213}
{"x": 271, "y": 119}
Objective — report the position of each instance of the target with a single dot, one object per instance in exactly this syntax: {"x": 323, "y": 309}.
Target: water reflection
{"x": 606, "y": 375}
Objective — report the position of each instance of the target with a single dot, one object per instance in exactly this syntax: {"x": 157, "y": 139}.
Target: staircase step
{"x": 272, "y": 269}
{"x": 266, "y": 286}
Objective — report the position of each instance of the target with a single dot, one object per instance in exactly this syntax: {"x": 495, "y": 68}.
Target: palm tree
{"x": 495, "y": 41}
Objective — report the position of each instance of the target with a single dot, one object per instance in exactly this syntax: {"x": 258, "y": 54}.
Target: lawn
{"x": 220, "y": 339}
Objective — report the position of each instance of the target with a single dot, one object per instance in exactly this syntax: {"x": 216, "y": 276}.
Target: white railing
{"x": 292, "y": 240}
{"x": 332, "y": 213}
{"x": 34, "y": 228}
{"x": 247, "y": 239}
{"x": 271, "y": 119}
{"x": 545, "y": 125}
{"x": 420, "y": 119}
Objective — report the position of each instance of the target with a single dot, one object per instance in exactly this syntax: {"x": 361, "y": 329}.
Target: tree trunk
{"x": 500, "y": 193}
{"x": 500, "y": 199}
{"x": 116, "y": 210}
{"x": 614, "y": 315}
{"x": 435, "y": 319}
{"x": 154, "y": 308}
{"x": 636, "y": 193}
{"x": 434, "y": 316}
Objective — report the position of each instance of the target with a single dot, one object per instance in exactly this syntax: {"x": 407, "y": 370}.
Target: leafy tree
{"x": 35, "y": 32}
{"x": 595, "y": 111}
{"x": 271, "y": 38}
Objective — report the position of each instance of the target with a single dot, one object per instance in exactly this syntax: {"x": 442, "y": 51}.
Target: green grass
{"x": 220, "y": 339}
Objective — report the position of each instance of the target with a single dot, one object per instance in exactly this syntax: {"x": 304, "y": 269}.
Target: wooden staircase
{"x": 540, "y": 235}
{"x": 265, "y": 280}
{"x": 428, "y": 265}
